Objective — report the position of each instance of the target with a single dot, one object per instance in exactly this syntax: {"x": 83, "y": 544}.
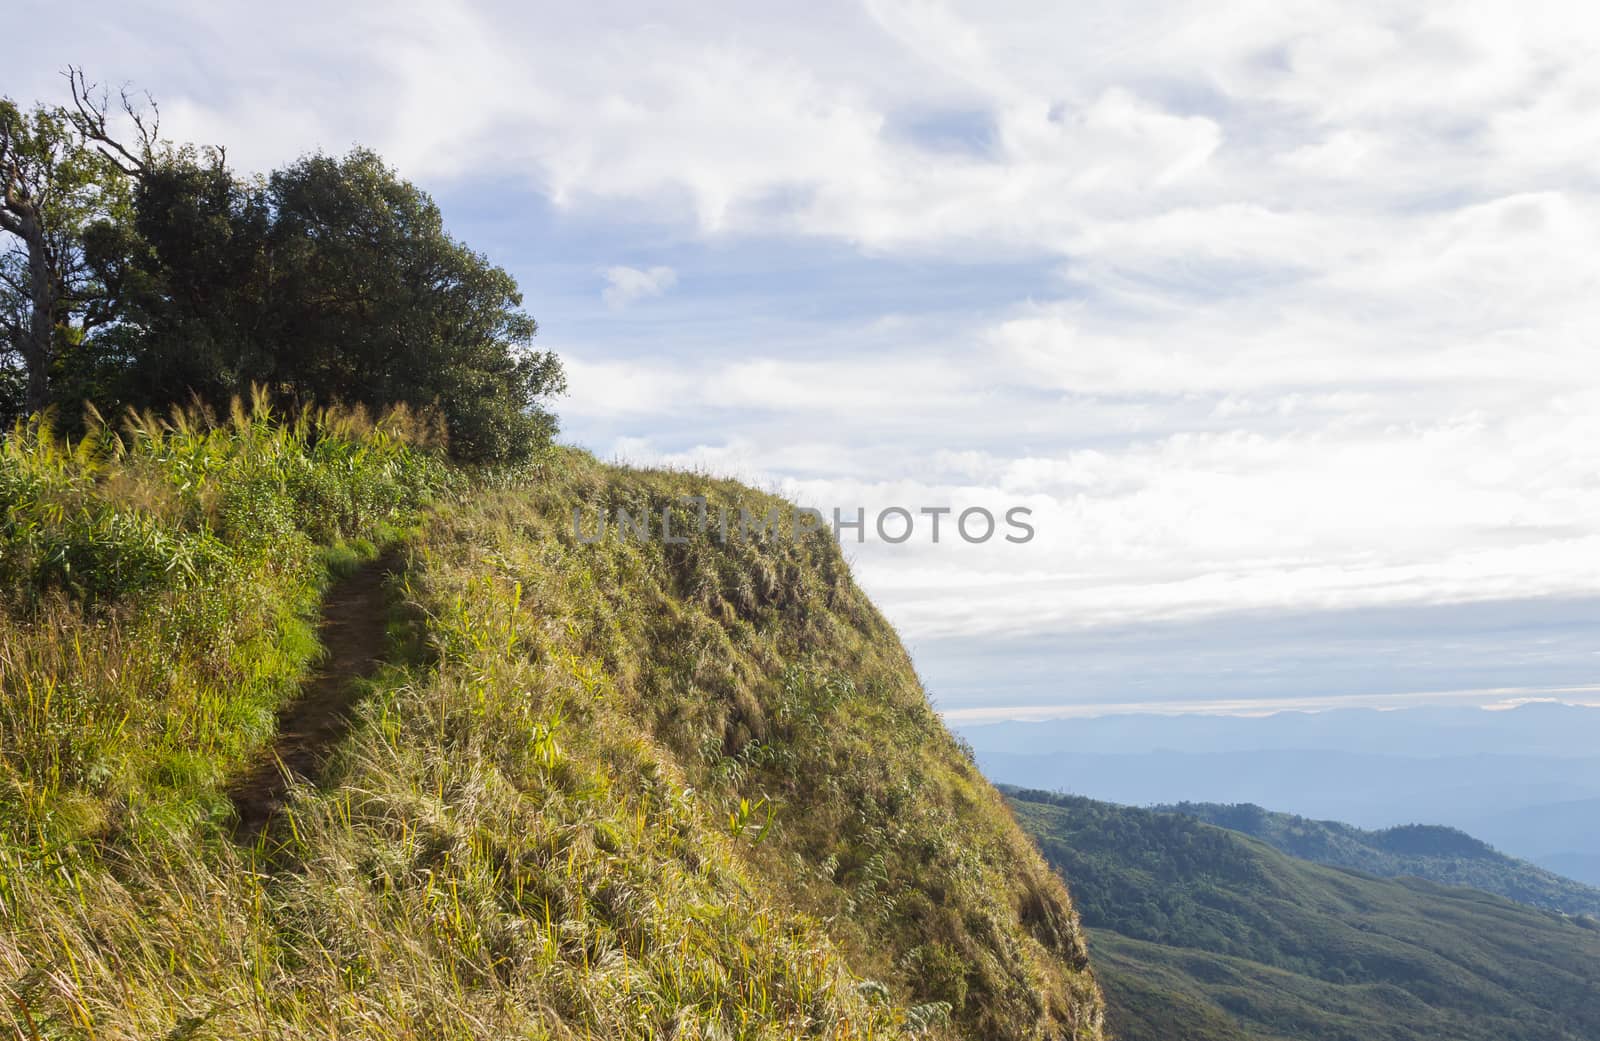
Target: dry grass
{"x": 613, "y": 791}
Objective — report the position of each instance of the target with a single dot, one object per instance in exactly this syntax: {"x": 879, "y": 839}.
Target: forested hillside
{"x": 1435, "y": 853}
{"x": 1202, "y": 933}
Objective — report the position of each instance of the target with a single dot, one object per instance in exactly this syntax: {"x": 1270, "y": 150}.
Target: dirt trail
{"x": 353, "y": 632}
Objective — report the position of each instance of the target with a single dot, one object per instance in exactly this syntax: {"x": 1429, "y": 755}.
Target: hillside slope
{"x": 624, "y": 789}
{"x": 1201, "y": 933}
{"x": 1439, "y": 854}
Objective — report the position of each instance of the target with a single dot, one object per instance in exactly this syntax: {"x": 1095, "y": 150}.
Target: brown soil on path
{"x": 354, "y": 637}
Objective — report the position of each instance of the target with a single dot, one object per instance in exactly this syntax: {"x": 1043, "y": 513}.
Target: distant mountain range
{"x": 1563, "y": 837}
{"x": 1585, "y": 867}
{"x": 1534, "y": 729}
{"x": 1204, "y": 934}
{"x": 1432, "y": 852}
{"x": 1524, "y": 780}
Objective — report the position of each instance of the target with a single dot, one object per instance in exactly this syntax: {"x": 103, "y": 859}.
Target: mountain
{"x": 1436, "y": 853}
{"x": 1563, "y": 836}
{"x": 1200, "y": 934}
{"x": 539, "y": 784}
{"x": 1525, "y": 780}
{"x": 1370, "y": 791}
{"x": 1538, "y": 728}
{"x": 1585, "y": 867}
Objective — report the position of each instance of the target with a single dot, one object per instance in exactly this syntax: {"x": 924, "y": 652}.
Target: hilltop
{"x": 621, "y": 789}
{"x": 1433, "y": 852}
{"x": 1206, "y": 934}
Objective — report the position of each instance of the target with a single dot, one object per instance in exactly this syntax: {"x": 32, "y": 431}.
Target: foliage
{"x": 331, "y": 280}
{"x": 194, "y": 265}
{"x": 1436, "y": 853}
{"x": 151, "y": 587}
{"x": 621, "y": 790}
{"x": 58, "y": 198}
{"x": 161, "y": 276}
{"x": 1205, "y": 933}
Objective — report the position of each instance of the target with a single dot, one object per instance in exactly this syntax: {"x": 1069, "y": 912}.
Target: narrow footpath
{"x": 354, "y": 636}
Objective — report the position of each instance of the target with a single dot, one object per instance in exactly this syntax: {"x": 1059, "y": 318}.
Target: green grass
{"x": 156, "y": 592}
{"x": 602, "y": 791}
{"x": 1198, "y": 932}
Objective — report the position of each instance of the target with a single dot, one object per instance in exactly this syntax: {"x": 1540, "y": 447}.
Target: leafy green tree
{"x": 331, "y": 280}
{"x": 60, "y": 197}
{"x": 373, "y": 301}
{"x": 199, "y": 293}
{"x": 143, "y": 274}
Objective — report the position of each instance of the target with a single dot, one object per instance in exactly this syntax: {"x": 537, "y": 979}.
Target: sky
{"x": 1279, "y": 317}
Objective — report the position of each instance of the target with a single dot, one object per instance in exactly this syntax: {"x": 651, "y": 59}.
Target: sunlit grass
{"x": 610, "y": 791}
{"x": 158, "y": 587}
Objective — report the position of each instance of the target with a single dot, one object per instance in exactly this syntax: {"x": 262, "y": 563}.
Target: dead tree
{"x": 55, "y": 163}
{"x": 29, "y": 159}
{"x": 91, "y": 106}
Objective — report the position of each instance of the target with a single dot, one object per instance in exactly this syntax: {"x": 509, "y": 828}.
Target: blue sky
{"x": 1280, "y": 316}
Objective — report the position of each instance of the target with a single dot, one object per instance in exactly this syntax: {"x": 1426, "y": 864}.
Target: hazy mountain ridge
{"x": 1433, "y": 852}
{"x": 1369, "y": 791}
{"x": 1206, "y": 934}
{"x": 1526, "y": 780}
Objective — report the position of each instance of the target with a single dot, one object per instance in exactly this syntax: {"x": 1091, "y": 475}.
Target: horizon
{"x": 1498, "y": 700}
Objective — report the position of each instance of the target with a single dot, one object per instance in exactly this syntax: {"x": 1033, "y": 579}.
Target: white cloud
{"x": 624, "y": 285}
{"x": 1493, "y": 699}
{"x": 1323, "y": 334}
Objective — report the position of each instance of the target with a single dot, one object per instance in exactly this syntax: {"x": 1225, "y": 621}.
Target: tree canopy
{"x": 58, "y": 199}
{"x": 169, "y": 276}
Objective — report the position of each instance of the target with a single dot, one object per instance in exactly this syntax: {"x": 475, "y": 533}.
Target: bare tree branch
{"x": 11, "y": 282}
{"x": 89, "y": 118}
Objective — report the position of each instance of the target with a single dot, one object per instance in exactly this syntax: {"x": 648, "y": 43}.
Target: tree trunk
{"x": 37, "y": 344}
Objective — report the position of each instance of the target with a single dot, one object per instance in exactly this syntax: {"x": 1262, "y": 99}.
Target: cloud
{"x": 1261, "y": 307}
{"x": 1495, "y": 699}
{"x": 625, "y": 285}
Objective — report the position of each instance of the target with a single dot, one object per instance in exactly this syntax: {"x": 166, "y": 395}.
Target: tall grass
{"x": 788, "y": 686}
{"x": 610, "y": 791}
{"x": 157, "y": 584}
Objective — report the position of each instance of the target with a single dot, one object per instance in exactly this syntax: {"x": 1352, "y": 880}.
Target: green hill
{"x": 624, "y": 789}
{"x": 1201, "y": 933}
{"x": 1436, "y": 853}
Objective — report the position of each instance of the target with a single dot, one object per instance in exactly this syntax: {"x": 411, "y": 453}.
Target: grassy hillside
{"x": 620, "y": 790}
{"x": 1435, "y": 853}
{"x": 1201, "y": 933}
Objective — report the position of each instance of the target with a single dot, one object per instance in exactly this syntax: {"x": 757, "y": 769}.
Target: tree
{"x": 199, "y": 292}
{"x": 332, "y": 280}
{"x": 58, "y": 196}
{"x": 378, "y": 303}
{"x": 142, "y": 274}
